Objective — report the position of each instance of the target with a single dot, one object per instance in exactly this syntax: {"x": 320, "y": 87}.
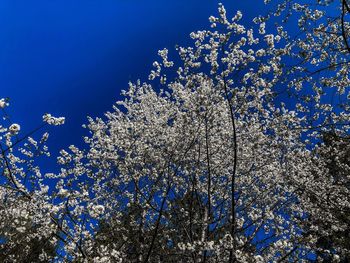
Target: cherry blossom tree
{"x": 197, "y": 168}
{"x": 26, "y": 230}
{"x": 208, "y": 161}
{"x": 320, "y": 82}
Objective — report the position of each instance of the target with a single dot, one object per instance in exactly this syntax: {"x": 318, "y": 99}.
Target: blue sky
{"x": 73, "y": 57}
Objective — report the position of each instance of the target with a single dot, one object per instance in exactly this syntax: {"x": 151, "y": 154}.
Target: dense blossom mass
{"x": 238, "y": 151}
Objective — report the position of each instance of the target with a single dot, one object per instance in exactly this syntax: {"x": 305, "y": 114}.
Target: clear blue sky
{"x": 72, "y": 57}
